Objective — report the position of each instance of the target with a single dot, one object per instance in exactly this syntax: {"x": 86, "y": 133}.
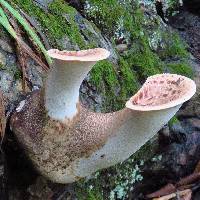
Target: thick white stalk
{"x": 136, "y": 129}
{"x": 62, "y": 87}
{"x": 64, "y": 80}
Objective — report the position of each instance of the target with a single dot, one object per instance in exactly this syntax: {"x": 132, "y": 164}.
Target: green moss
{"x": 117, "y": 83}
{"x": 128, "y": 80}
{"x": 2, "y": 66}
{"x": 105, "y": 14}
{"x": 17, "y": 74}
{"x": 139, "y": 62}
{"x": 145, "y": 63}
{"x": 54, "y": 22}
{"x": 105, "y": 78}
{"x": 89, "y": 192}
{"x": 173, "y": 121}
{"x": 173, "y": 7}
{"x": 175, "y": 47}
{"x": 181, "y": 68}
{"x": 103, "y": 73}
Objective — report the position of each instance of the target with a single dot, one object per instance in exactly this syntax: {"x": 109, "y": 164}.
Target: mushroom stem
{"x": 131, "y": 130}
{"x": 62, "y": 88}
{"x": 64, "y": 79}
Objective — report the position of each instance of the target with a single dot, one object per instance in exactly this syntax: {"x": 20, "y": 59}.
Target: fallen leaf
{"x": 187, "y": 196}
{"x": 167, "y": 189}
{"x": 197, "y": 169}
{"x": 175, "y": 194}
{"x": 188, "y": 179}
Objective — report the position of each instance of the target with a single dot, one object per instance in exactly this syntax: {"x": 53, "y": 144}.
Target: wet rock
{"x": 6, "y": 46}
{"x": 174, "y": 134}
{"x": 89, "y": 96}
{"x": 188, "y": 26}
{"x": 66, "y": 43}
{"x": 121, "y": 48}
{"x": 2, "y": 60}
{"x": 192, "y": 5}
{"x": 15, "y": 195}
{"x": 78, "y": 4}
{"x": 194, "y": 122}
{"x": 43, "y": 3}
{"x": 35, "y": 74}
{"x": 6, "y": 81}
{"x": 92, "y": 35}
{"x": 191, "y": 108}
{"x": 180, "y": 159}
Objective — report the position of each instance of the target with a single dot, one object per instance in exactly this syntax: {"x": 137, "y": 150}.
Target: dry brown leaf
{"x": 173, "y": 195}
{"x": 23, "y": 52}
{"x": 187, "y": 196}
{"x": 197, "y": 169}
{"x": 188, "y": 179}
{"x": 167, "y": 189}
{"x": 25, "y": 47}
{"x": 37, "y": 28}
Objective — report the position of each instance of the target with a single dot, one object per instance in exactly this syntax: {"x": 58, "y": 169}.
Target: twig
{"x": 26, "y": 48}
{"x": 173, "y": 195}
{"x": 188, "y": 179}
{"x": 184, "y": 183}
{"x": 167, "y": 189}
{"x": 34, "y": 25}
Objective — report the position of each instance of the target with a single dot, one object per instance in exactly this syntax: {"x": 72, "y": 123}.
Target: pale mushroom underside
{"x": 162, "y": 91}
{"x": 83, "y": 55}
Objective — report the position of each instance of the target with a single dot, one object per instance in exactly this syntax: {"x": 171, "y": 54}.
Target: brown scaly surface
{"x": 160, "y": 90}
{"x": 55, "y": 145}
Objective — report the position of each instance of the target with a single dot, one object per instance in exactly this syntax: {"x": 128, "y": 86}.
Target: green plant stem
{"x": 27, "y": 27}
{"x": 5, "y": 23}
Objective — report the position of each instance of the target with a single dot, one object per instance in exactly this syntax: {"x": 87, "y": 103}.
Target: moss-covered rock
{"x": 151, "y": 48}
{"x": 144, "y": 34}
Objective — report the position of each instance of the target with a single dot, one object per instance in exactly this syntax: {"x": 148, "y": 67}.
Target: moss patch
{"x": 57, "y": 22}
{"x": 116, "y": 83}
{"x": 105, "y": 14}
{"x": 181, "y": 68}
{"x": 173, "y": 120}
{"x": 174, "y": 46}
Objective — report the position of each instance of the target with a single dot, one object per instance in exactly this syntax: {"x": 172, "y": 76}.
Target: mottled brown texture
{"x": 54, "y": 145}
{"x": 160, "y": 90}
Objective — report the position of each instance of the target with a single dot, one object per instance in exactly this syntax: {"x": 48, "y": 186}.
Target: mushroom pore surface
{"x": 163, "y": 90}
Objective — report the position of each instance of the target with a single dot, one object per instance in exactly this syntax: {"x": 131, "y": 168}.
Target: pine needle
{"x": 25, "y": 25}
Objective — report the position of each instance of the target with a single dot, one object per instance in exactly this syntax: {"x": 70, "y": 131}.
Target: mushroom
{"x": 66, "y": 141}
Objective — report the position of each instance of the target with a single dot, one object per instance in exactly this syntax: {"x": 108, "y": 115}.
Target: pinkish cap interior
{"x": 83, "y": 55}
{"x": 162, "y": 91}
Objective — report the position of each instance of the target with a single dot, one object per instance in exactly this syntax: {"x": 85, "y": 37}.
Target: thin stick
{"x": 173, "y": 195}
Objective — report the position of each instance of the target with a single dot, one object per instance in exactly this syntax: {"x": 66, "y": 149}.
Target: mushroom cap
{"x": 162, "y": 91}
{"x": 82, "y": 55}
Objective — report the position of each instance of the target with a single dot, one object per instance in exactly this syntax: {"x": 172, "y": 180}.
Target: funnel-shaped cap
{"x": 83, "y": 55}
{"x": 162, "y": 91}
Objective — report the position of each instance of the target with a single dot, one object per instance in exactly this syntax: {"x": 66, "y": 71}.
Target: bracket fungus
{"x": 66, "y": 141}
